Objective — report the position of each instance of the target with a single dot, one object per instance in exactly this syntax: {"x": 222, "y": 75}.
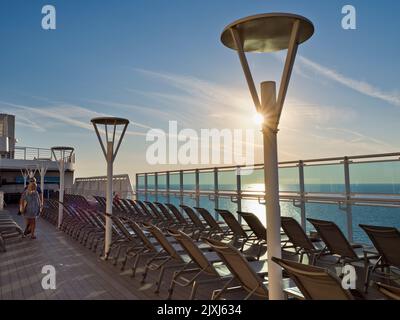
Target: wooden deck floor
{"x": 80, "y": 274}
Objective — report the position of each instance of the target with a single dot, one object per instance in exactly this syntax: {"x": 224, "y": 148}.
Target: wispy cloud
{"x": 354, "y": 136}
{"x": 130, "y": 107}
{"x": 357, "y": 85}
{"x": 201, "y": 103}
{"x": 72, "y": 115}
{"x": 223, "y": 106}
{"x": 331, "y": 141}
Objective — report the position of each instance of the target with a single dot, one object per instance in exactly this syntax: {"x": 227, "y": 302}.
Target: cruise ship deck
{"x": 80, "y": 274}
{"x": 159, "y": 157}
{"x": 83, "y": 275}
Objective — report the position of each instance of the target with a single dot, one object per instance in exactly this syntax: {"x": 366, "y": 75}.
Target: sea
{"x": 370, "y": 215}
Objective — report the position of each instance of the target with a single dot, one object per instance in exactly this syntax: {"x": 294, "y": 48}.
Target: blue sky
{"x": 154, "y": 61}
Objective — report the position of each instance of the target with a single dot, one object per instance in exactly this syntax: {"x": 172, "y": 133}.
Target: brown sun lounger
{"x": 316, "y": 283}
{"x": 390, "y": 292}
{"x": 386, "y": 241}
{"x": 298, "y": 238}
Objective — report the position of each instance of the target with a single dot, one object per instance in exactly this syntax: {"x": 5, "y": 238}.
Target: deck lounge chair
{"x": 143, "y": 208}
{"x": 128, "y": 240}
{"x": 390, "y": 292}
{"x": 299, "y": 239}
{"x": 140, "y": 214}
{"x": 316, "y": 283}
{"x": 128, "y": 206}
{"x": 9, "y": 229}
{"x": 239, "y": 233}
{"x": 147, "y": 248}
{"x": 167, "y": 219}
{"x": 217, "y": 228}
{"x": 201, "y": 227}
{"x": 175, "y": 216}
{"x": 182, "y": 223}
{"x": 255, "y": 225}
{"x": 386, "y": 240}
{"x": 203, "y": 270}
{"x": 336, "y": 242}
{"x": 163, "y": 258}
{"x": 249, "y": 274}
{"x": 175, "y": 211}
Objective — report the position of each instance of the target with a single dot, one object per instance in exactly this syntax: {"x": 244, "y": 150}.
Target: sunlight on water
{"x": 361, "y": 214}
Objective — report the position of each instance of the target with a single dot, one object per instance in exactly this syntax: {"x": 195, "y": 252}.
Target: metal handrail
{"x": 32, "y": 153}
{"x": 344, "y": 199}
{"x": 370, "y": 156}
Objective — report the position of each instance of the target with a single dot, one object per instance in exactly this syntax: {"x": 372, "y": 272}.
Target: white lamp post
{"x": 61, "y": 155}
{"x": 42, "y": 167}
{"x": 268, "y": 33}
{"x": 110, "y": 154}
{"x": 28, "y": 173}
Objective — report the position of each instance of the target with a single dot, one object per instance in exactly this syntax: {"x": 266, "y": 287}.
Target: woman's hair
{"x": 32, "y": 186}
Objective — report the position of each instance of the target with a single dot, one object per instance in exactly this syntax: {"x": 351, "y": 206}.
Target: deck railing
{"x": 32, "y": 153}
{"x": 364, "y": 181}
{"x": 96, "y": 186}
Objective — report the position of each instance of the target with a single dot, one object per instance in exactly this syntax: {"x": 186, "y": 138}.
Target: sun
{"x": 258, "y": 118}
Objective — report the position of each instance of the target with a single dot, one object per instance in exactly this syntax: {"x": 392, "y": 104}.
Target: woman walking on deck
{"x": 31, "y": 207}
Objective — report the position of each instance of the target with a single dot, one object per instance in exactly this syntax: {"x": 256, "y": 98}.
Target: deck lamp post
{"x": 42, "y": 167}
{"x": 107, "y": 146}
{"x": 27, "y": 173}
{"x": 269, "y": 33}
{"x": 61, "y": 155}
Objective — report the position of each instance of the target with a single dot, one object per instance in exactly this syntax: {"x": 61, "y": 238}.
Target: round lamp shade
{"x": 110, "y": 121}
{"x": 267, "y": 32}
{"x": 61, "y": 148}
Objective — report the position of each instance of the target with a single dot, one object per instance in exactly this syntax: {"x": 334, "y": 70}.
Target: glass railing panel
{"x": 175, "y": 201}
{"x": 208, "y": 204}
{"x": 289, "y": 210}
{"x": 174, "y": 181}
{"x": 227, "y": 204}
{"x": 162, "y": 182}
{"x": 330, "y": 212}
{"x": 151, "y": 182}
{"x": 162, "y": 199}
{"x": 253, "y": 181}
{"x": 227, "y": 180}
{"x": 140, "y": 196}
{"x": 253, "y": 206}
{"x": 140, "y": 185}
{"x": 189, "y": 201}
{"x": 289, "y": 179}
{"x": 151, "y": 197}
{"x": 375, "y": 177}
{"x": 206, "y": 181}
{"x": 324, "y": 178}
{"x": 189, "y": 181}
{"x": 375, "y": 216}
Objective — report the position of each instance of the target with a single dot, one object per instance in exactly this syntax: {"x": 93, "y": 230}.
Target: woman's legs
{"x": 27, "y": 228}
{"x": 33, "y": 227}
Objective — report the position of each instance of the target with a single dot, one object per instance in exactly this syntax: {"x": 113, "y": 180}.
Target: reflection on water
{"x": 361, "y": 214}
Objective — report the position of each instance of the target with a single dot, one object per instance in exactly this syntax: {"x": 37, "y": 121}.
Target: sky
{"x": 154, "y": 61}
